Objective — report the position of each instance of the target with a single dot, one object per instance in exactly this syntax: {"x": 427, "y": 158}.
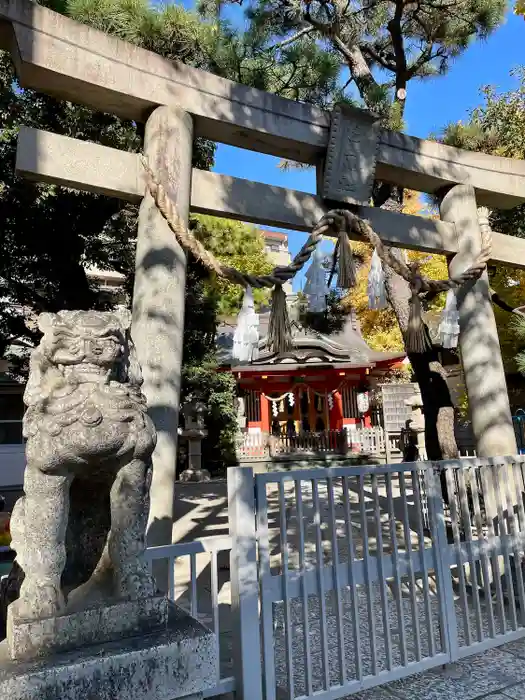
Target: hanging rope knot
{"x": 341, "y": 221}
{"x": 416, "y": 278}
{"x": 279, "y": 327}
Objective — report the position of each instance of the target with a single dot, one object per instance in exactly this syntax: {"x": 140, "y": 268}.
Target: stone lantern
{"x": 194, "y": 431}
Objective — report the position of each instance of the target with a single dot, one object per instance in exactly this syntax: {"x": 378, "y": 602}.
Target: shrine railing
{"x": 323, "y": 441}
{"x": 254, "y": 447}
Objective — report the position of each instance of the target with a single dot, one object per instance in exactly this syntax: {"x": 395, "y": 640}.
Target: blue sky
{"x": 430, "y": 106}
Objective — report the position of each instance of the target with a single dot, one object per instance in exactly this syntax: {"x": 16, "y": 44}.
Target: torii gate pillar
{"x": 478, "y": 339}
{"x": 158, "y": 307}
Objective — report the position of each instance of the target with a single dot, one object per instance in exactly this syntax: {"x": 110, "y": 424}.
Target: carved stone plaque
{"x": 351, "y": 156}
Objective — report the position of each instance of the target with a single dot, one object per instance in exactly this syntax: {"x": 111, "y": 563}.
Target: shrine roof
{"x": 343, "y": 349}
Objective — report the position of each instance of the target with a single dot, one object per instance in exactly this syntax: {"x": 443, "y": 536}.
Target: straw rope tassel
{"x": 417, "y": 338}
{"x": 279, "y": 327}
{"x": 346, "y": 276}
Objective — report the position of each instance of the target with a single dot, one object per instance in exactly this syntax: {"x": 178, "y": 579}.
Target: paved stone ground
{"x": 496, "y": 674}
{"x": 477, "y": 676}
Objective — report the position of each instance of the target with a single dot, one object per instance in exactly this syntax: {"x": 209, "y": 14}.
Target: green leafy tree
{"x": 237, "y": 245}
{"x": 519, "y": 326}
{"x": 497, "y": 126}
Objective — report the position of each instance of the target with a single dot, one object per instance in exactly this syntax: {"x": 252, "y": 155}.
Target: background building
{"x": 276, "y": 246}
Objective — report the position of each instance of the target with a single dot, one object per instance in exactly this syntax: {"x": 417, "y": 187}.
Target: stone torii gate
{"x": 72, "y": 61}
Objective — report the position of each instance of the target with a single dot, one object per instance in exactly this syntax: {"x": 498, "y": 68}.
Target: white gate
{"x": 353, "y": 589}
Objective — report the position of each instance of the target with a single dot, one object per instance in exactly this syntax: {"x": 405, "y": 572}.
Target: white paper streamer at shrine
{"x": 449, "y": 324}
{"x": 376, "y": 284}
{"x": 316, "y": 288}
{"x": 246, "y": 337}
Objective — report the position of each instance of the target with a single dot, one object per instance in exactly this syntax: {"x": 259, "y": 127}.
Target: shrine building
{"x": 321, "y": 384}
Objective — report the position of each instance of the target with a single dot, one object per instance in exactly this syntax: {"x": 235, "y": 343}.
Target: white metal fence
{"x": 346, "y": 578}
{"x": 365, "y": 575}
{"x": 253, "y": 447}
{"x": 199, "y": 581}
{"x": 373, "y": 441}
{"x": 345, "y": 570}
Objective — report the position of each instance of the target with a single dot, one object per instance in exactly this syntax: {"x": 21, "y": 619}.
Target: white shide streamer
{"x": 449, "y": 324}
{"x": 376, "y": 284}
{"x": 246, "y": 337}
{"x": 316, "y": 289}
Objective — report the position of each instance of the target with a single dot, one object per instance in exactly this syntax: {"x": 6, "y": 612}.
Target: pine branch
{"x": 369, "y": 51}
{"x": 359, "y": 68}
{"x": 295, "y": 37}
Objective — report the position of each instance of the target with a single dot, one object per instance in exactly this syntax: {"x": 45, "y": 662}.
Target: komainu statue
{"x": 79, "y": 529}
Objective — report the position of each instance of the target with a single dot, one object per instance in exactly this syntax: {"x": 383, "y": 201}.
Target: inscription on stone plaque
{"x": 351, "y": 156}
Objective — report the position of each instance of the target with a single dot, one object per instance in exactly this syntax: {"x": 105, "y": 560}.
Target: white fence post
{"x": 244, "y": 584}
{"x": 447, "y": 611}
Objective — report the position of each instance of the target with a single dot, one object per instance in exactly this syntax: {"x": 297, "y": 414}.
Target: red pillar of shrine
{"x": 265, "y": 414}
{"x": 336, "y": 414}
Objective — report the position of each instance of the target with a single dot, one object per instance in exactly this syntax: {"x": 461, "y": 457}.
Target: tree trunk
{"x": 438, "y": 407}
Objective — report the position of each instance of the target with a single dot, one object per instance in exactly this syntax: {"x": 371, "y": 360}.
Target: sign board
{"x": 395, "y": 411}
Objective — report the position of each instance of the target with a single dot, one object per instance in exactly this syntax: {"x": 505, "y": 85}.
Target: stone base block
{"x": 174, "y": 663}
{"x": 29, "y": 639}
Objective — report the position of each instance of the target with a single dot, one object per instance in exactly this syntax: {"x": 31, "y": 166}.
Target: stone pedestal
{"x": 175, "y": 662}
{"x": 29, "y": 639}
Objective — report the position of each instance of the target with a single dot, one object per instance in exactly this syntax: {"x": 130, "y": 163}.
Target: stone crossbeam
{"x": 73, "y": 61}
{"x": 48, "y": 157}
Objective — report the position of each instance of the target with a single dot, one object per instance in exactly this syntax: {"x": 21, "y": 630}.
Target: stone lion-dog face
{"x": 83, "y": 346}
